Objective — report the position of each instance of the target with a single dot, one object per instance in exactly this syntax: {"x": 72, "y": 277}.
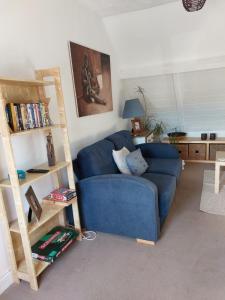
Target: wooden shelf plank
{"x": 27, "y": 100}
{"x": 13, "y": 81}
{"x": 39, "y": 266}
{"x": 34, "y": 177}
{"x": 48, "y": 212}
{"x": 57, "y": 203}
{"x": 29, "y": 131}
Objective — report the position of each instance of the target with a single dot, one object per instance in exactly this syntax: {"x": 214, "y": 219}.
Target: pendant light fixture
{"x": 193, "y": 5}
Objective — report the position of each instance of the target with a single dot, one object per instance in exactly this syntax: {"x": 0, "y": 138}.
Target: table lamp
{"x": 133, "y": 109}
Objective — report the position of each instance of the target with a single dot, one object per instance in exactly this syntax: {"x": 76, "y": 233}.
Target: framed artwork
{"x": 136, "y": 126}
{"x": 34, "y": 203}
{"x": 92, "y": 80}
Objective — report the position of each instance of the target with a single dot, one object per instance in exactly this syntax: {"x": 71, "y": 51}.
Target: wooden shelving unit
{"x": 19, "y": 234}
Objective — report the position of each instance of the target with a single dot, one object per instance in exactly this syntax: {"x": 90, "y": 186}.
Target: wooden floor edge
{"x": 145, "y": 242}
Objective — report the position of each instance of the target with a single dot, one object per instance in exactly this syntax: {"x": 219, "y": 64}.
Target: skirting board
{"x": 6, "y": 281}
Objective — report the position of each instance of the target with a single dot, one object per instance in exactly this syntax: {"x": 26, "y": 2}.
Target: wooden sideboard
{"x": 195, "y": 150}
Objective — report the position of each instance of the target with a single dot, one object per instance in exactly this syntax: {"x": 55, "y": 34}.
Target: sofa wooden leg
{"x": 145, "y": 242}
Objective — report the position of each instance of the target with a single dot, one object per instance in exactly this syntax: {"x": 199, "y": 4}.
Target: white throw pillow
{"x": 120, "y": 160}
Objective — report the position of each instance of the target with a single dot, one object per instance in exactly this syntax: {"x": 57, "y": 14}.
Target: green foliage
{"x": 159, "y": 129}
{"x": 148, "y": 123}
{"x": 146, "y": 119}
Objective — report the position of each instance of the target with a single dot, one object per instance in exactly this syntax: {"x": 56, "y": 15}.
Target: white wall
{"x": 179, "y": 58}
{"x": 167, "y": 38}
{"x": 34, "y": 34}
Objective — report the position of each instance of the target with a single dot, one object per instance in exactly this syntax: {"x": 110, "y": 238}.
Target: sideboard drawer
{"x": 183, "y": 150}
{"x": 213, "y": 148}
{"x": 197, "y": 152}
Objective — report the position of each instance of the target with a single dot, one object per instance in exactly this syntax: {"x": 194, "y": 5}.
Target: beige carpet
{"x": 211, "y": 202}
{"x": 188, "y": 262}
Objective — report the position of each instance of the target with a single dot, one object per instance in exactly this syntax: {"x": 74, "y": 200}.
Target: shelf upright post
{"x": 55, "y": 74}
{"x": 3, "y": 216}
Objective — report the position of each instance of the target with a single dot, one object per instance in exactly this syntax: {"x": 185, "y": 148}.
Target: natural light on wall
{"x": 190, "y": 101}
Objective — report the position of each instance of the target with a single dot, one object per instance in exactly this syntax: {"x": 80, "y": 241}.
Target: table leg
{"x": 217, "y": 178}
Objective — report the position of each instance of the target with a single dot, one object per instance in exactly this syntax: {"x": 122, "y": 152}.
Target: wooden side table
{"x": 220, "y": 161}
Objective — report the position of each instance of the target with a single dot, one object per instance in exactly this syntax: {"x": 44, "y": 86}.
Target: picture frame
{"x": 34, "y": 203}
{"x": 91, "y": 72}
{"x": 136, "y": 126}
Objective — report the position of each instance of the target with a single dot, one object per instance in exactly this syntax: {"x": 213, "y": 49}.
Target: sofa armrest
{"x": 158, "y": 150}
{"x": 120, "y": 204}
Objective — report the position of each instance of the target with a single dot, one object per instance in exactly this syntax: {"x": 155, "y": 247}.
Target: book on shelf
{"x": 54, "y": 243}
{"x": 27, "y": 116}
{"x": 11, "y": 109}
{"x": 19, "y": 116}
{"x": 61, "y": 195}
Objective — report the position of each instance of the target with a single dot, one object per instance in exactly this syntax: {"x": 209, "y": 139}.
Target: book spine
{"x": 27, "y": 116}
{"x": 30, "y": 119}
{"x": 20, "y": 120}
{"x": 40, "y": 115}
{"x": 36, "y": 113}
{"x": 13, "y": 112}
{"x": 17, "y": 119}
{"x": 33, "y": 115}
{"x": 24, "y": 115}
{"x": 9, "y": 116}
{"x": 33, "y": 111}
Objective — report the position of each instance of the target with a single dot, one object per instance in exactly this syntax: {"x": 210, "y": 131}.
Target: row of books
{"x": 27, "y": 116}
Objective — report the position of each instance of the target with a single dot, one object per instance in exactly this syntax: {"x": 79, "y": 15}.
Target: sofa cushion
{"x": 167, "y": 166}
{"x": 166, "y": 186}
{"x": 122, "y": 139}
{"x": 119, "y": 157}
{"x": 136, "y": 163}
{"x": 96, "y": 159}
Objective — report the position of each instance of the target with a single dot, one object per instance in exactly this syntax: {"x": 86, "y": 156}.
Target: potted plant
{"x": 146, "y": 119}
{"x": 157, "y": 128}
{"x": 158, "y": 131}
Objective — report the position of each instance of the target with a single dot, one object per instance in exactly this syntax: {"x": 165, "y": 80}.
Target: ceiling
{"x": 106, "y": 8}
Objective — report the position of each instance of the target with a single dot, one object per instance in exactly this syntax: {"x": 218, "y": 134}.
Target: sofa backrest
{"x": 96, "y": 159}
{"x": 122, "y": 139}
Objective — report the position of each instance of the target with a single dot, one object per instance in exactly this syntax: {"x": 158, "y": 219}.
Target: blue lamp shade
{"x": 133, "y": 109}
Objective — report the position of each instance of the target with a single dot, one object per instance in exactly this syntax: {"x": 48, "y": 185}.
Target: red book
{"x": 63, "y": 194}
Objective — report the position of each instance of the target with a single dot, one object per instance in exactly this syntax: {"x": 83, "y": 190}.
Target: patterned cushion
{"x": 136, "y": 163}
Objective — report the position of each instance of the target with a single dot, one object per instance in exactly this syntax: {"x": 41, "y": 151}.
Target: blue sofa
{"x": 121, "y": 204}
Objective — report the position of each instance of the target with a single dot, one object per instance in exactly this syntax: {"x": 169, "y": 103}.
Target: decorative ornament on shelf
{"x": 193, "y": 5}
{"x": 50, "y": 151}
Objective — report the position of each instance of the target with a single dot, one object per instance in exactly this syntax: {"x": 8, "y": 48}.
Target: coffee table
{"x": 220, "y": 161}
